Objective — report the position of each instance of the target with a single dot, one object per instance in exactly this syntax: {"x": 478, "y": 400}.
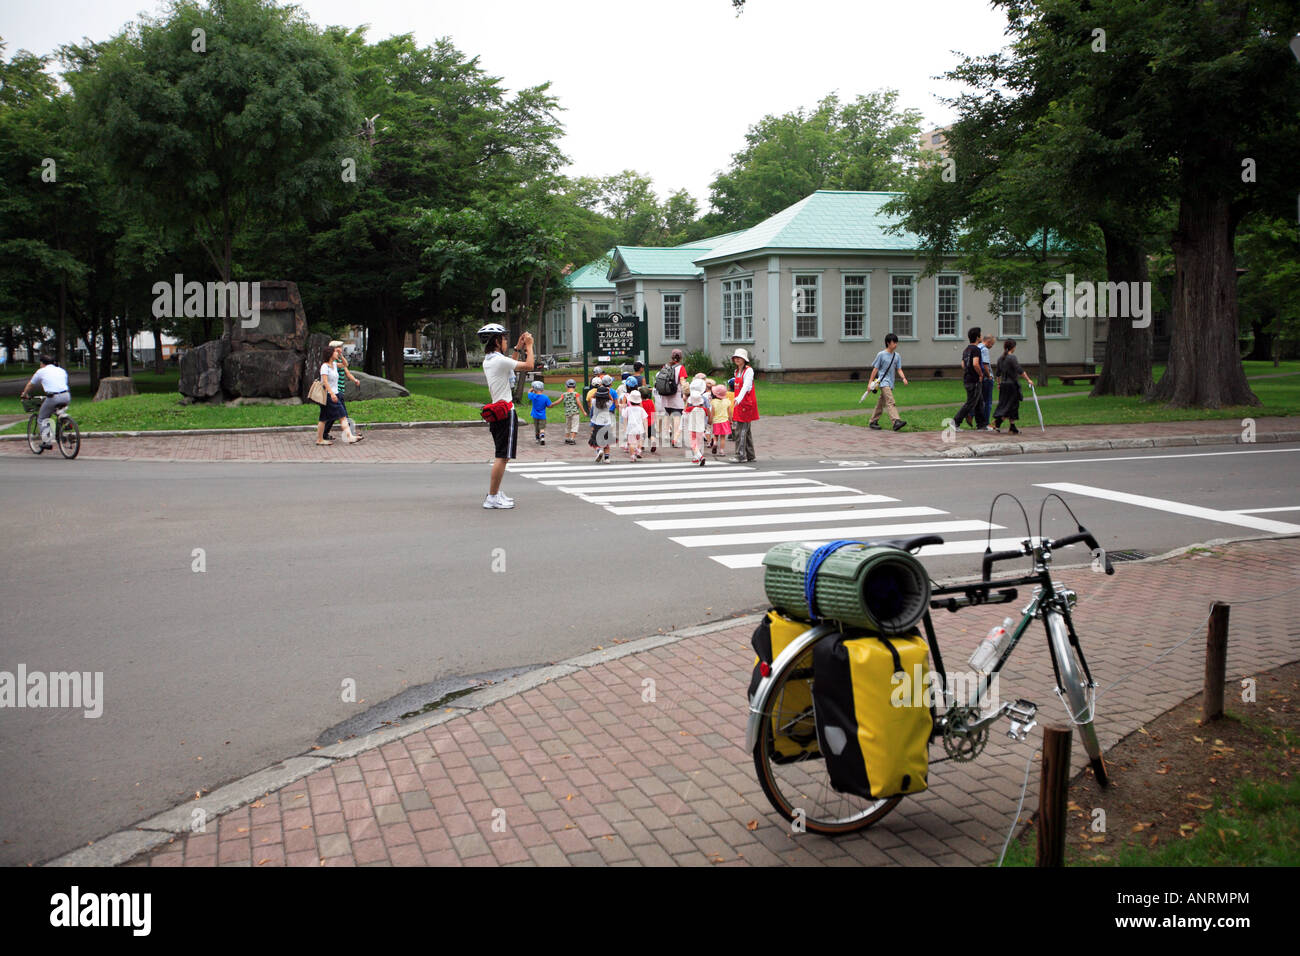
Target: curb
{"x": 124, "y": 845}
{"x": 1106, "y": 444}
{"x": 268, "y": 430}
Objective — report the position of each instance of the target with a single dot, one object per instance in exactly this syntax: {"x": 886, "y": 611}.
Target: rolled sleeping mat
{"x": 875, "y": 587}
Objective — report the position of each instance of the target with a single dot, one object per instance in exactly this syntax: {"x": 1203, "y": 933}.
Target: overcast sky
{"x": 666, "y": 87}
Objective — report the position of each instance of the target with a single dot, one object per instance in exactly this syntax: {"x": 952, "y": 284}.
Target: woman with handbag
{"x": 331, "y": 409}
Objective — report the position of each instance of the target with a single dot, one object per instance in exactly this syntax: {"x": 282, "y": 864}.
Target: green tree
{"x": 865, "y": 144}
{"x": 217, "y": 119}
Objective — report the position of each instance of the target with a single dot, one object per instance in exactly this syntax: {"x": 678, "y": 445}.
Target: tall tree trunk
{"x": 155, "y": 329}
{"x": 106, "y": 334}
{"x": 124, "y": 343}
{"x": 370, "y": 362}
{"x": 462, "y": 360}
{"x": 394, "y": 369}
{"x": 1041, "y": 329}
{"x": 1205, "y": 369}
{"x": 1126, "y": 366}
{"x": 61, "y": 345}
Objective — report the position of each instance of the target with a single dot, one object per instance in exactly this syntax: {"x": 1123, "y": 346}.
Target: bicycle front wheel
{"x": 34, "y": 436}
{"x": 1075, "y": 693}
{"x": 69, "y": 438}
{"x": 791, "y": 771}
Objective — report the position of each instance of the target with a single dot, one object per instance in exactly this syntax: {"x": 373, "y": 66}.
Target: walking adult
{"x": 972, "y": 373}
{"x": 341, "y": 362}
{"x": 500, "y": 411}
{"x": 671, "y": 383}
{"x": 746, "y": 410}
{"x": 986, "y": 383}
{"x": 1009, "y": 395}
{"x": 886, "y": 365}
{"x": 333, "y": 411}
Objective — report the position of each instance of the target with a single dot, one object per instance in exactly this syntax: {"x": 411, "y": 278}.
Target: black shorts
{"x": 505, "y": 435}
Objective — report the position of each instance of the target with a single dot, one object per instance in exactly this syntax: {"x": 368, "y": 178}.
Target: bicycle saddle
{"x": 909, "y": 544}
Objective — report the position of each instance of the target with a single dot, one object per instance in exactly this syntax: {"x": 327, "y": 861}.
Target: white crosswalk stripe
{"x": 771, "y": 508}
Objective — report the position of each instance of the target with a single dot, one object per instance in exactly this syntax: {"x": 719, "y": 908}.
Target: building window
{"x": 627, "y": 307}
{"x": 947, "y": 306}
{"x": 855, "y": 307}
{"x": 1011, "y": 307}
{"x": 738, "y": 309}
{"x": 600, "y": 310}
{"x": 1054, "y": 325}
{"x": 559, "y": 334}
{"x": 902, "y": 319}
{"x": 936, "y": 139}
{"x": 672, "y": 317}
{"x": 807, "y": 320}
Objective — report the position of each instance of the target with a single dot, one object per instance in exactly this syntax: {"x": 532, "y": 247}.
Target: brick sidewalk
{"x": 581, "y": 770}
{"x": 785, "y": 437}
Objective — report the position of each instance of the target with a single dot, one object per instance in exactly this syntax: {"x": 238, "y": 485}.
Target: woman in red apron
{"x": 746, "y": 411}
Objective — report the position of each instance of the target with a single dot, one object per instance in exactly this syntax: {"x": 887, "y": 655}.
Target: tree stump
{"x": 114, "y": 387}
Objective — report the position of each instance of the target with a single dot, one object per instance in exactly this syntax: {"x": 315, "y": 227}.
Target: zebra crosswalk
{"x": 735, "y": 512}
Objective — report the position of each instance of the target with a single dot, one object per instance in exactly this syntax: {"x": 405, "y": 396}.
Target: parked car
{"x": 412, "y": 357}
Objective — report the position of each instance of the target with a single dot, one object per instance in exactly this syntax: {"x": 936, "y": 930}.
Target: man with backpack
{"x": 668, "y": 383}
{"x": 972, "y": 374}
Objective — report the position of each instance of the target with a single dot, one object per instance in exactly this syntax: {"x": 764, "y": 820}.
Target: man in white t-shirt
{"x": 498, "y": 368}
{"x": 54, "y": 383}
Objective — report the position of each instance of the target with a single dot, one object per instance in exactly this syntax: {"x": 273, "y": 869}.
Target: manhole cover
{"x": 1129, "y": 555}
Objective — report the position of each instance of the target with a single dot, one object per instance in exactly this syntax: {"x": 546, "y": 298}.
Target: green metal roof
{"x": 592, "y": 275}
{"x": 826, "y": 220}
{"x": 665, "y": 260}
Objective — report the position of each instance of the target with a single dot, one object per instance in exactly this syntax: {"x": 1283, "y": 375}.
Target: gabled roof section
{"x": 632, "y": 261}
{"x": 829, "y": 219}
{"x": 592, "y": 275}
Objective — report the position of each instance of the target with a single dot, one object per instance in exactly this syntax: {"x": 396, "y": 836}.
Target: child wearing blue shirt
{"x": 541, "y": 402}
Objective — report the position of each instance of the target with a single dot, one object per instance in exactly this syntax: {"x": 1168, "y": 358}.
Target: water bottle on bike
{"x": 991, "y": 648}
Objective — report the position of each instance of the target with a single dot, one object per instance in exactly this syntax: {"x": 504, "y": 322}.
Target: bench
{"x": 1089, "y": 377}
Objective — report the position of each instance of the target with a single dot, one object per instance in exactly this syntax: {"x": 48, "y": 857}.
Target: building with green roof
{"x": 811, "y": 292}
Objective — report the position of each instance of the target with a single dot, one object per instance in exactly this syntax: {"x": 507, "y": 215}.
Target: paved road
{"x": 383, "y": 574}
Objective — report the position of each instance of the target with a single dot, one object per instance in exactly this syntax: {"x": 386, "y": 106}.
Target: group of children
{"x": 629, "y": 411}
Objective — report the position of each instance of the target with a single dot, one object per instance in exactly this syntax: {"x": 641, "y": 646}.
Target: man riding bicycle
{"x": 54, "y": 382}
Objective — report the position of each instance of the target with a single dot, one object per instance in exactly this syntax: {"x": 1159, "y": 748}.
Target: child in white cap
{"x": 697, "y": 420}
{"x": 634, "y": 419}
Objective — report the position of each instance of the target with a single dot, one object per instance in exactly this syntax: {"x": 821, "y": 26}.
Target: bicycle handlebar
{"x": 1084, "y": 536}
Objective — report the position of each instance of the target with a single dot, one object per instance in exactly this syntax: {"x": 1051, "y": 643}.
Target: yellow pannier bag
{"x": 873, "y": 729}
{"x": 794, "y": 730}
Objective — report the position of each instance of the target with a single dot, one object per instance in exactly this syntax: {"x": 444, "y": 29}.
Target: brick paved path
{"x": 790, "y": 436}
{"x": 581, "y": 770}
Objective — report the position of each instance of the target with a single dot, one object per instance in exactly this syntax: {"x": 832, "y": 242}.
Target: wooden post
{"x": 1053, "y": 794}
{"x": 1216, "y": 662}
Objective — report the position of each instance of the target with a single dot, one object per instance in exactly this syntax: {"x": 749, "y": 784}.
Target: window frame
{"x": 956, "y": 334}
{"x": 681, "y": 318}
{"x": 744, "y": 291}
{"x": 865, "y": 276}
{"x": 816, "y": 312}
{"x": 1003, "y": 312}
{"x": 911, "y": 277}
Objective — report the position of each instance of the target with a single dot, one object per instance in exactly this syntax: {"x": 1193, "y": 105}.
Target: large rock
{"x": 280, "y": 323}
{"x": 372, "y": 386}
{"x": 201, "y": 369}
{"x": 262, "y": 374}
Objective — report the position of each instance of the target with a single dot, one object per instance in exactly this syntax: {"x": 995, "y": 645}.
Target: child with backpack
{"x": 721, "y": 420}
{"x": 602, "y": 421}
{"x": 572, "y": 410}
{"x": 697, "y": 421}
{"x": 634, "y": 421}
{"x": 540, "y": 402}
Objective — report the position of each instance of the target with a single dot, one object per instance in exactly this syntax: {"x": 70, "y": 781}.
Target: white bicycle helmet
{"x": 491, "y": 331}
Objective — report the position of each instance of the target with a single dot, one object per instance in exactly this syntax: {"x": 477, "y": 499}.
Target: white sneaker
{"x": 505, "y": 497}
{"x": 497, "y": 501}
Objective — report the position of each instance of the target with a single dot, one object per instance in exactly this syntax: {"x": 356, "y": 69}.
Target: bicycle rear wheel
{"x": 1075, "y": 693}
{"x": 34, "y": 436}
{"x": 69, "y": 438}
{"x": 799, "y": 785}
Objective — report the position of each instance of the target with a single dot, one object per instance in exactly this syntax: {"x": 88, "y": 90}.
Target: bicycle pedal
{"x": 1021, "y": 714}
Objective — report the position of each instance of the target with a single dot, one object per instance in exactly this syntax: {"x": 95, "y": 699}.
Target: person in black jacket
{"x": 971, "y": 375}
{"x": 1009, "y": 373}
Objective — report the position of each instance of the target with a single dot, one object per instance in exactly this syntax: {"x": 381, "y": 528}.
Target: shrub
{"x": 698, "y": 361}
